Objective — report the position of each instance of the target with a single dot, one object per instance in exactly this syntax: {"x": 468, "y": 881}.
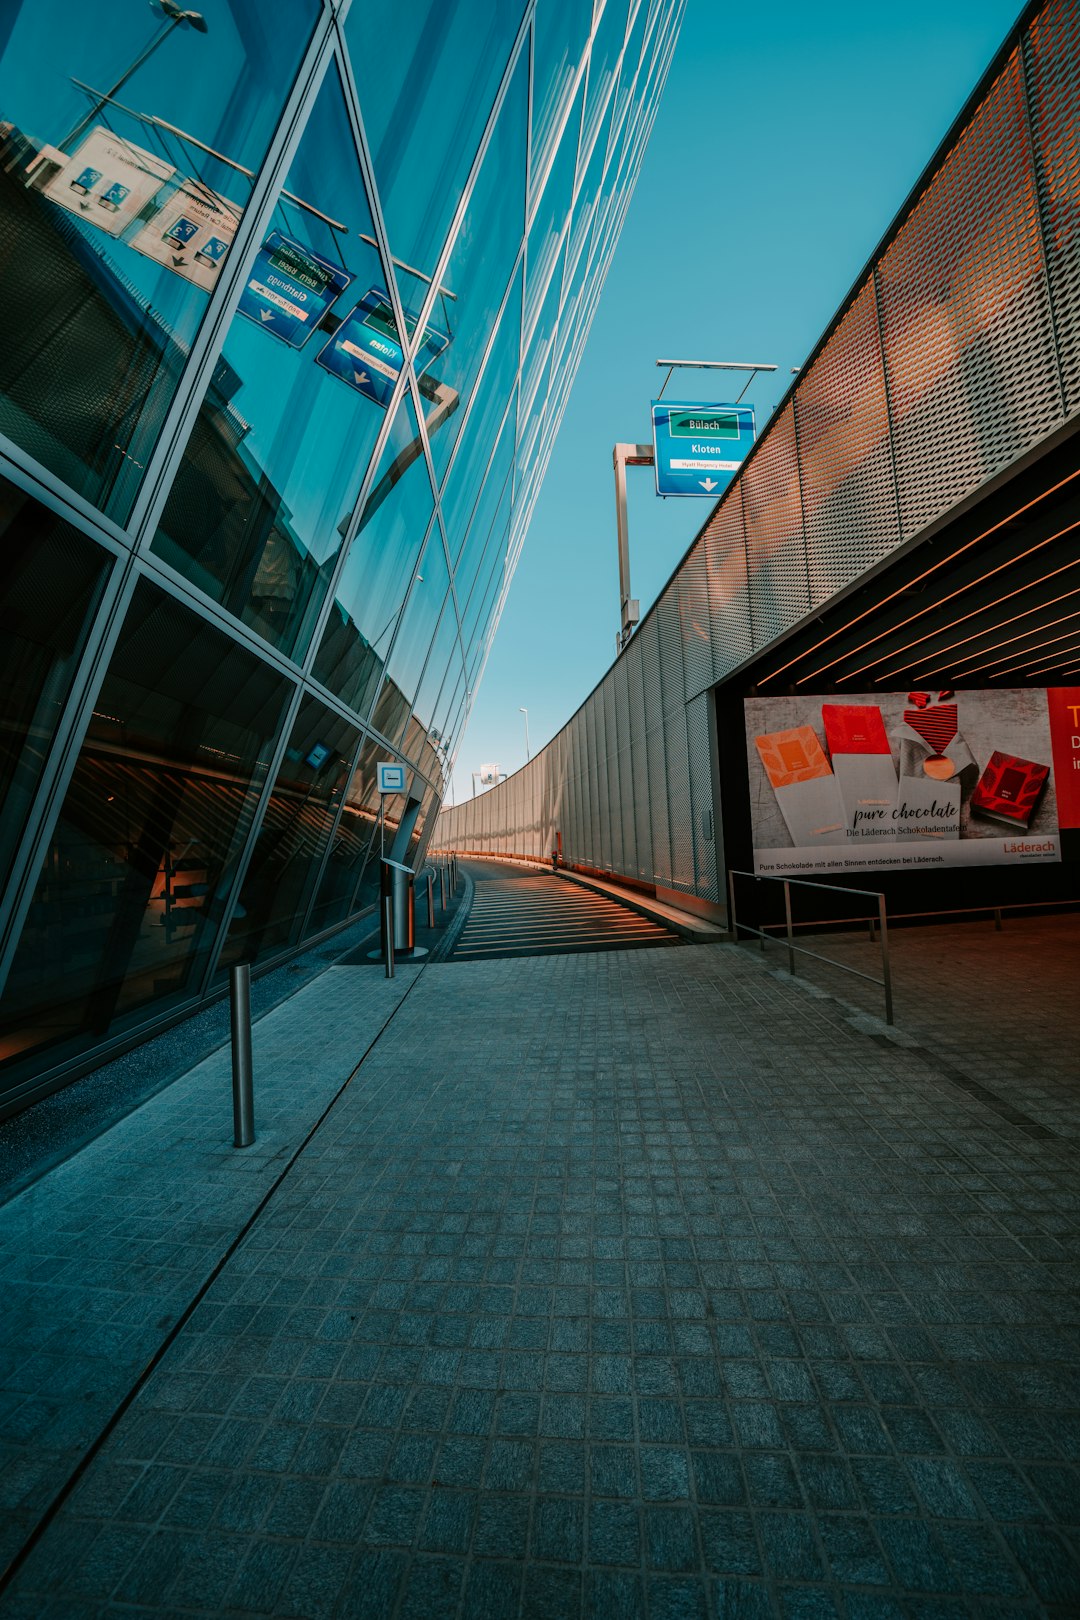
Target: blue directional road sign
{"x": 366, "y": 350}
{"x": 696, "y": 448}
{"x": 290, "y": 288}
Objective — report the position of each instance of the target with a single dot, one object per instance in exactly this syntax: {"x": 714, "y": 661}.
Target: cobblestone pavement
{"x": 628, "y": 1284}
{"x": 1001, "y": 1008}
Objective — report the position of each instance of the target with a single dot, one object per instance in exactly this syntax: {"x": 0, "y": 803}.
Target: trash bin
{"x": 397, "y": 885}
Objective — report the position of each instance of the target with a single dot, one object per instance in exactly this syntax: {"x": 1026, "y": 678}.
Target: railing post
{"x": 886, "y": 970}
{"x": 787, "y": 919}
{"x": 442, "y": 885}
{"x": 997, "y": 919}
{"x": 431, "y": 899}
{"x": 243, "y": 1089}
{"x": 734, "y": 921}
{"x": 388, "y": 919}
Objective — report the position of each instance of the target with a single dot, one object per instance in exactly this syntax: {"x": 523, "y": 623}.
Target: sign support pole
{"x": 623, "y": 456}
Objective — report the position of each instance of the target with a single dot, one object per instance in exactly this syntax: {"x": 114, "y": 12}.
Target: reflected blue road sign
{"x": 698, "y": 447}
{"x": 366, "y": 350}
{"x": 290, "y": 289}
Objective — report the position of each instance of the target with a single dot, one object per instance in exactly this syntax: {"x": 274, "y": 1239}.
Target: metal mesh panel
{"x": 725, "y": 577}
{"x": 694, "y": 627}
{"x": 1052, "y": 60}
{"x": 628, "y": 836}
{"x": 639, "y": 760}
{"x": 680, "y": 810}
{"x": 669, "y": 633}
{"x": 609, "y": 776}
{"x": 698, "y": 720}
{"x": 654, "y": 745}
{"x": 592, "y": 805}
{"x": 968, "y": 355}
{"x": 603, "y": 804}
{"x": 845, "y": 457}
{"x": 772, "y": 513}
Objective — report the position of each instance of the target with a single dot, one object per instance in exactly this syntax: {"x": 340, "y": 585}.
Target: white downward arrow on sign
{"x": 708, "y": 484}
{"x": 361, "y": 377}
{"x": 266, "y": 314}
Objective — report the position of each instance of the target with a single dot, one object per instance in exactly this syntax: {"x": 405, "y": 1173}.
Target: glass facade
{"x": 294, "y": 299}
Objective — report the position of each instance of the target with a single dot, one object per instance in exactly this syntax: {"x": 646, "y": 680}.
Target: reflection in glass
{"x": 281, "y": 444}
{"x": 603, "y": 60}
{"x": 427, "y": 73}
{"x": 379, "y": 568}
{"x": 481, "y": 262}
{"x": 560, "y": 32}
{"x": 444, "y": 656}
{"x": 348, "y": 884}
{"x": 145, "y": 851}
{"x": 547, "y": 229}
{"x": 494, "y": 498}
{"x": 295, "y": 826}
{"x": 413, "y": 639}
{"x": 485, "y": 419}
{"x": 127, "y": 145}
{"x": 51, "y": 579}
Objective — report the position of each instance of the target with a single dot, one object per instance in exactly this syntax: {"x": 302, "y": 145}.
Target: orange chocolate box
{"x": 804, "y": 784}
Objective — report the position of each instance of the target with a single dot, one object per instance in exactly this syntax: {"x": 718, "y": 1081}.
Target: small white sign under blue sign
{"x": 697, "y": 448}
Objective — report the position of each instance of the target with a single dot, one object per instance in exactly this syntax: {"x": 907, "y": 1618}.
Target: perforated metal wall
{"x": 956, "y": 353}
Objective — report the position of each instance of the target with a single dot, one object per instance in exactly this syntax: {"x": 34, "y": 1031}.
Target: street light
{"x": 525, "y": 712}
{"x": 175, "y": 17}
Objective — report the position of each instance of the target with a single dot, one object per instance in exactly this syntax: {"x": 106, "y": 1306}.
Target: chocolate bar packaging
{"x": 862, "y": 763}
{"x": 936, "y": 769}
{"x": 804, "y": 784}
{"x": 1009, "y": 790}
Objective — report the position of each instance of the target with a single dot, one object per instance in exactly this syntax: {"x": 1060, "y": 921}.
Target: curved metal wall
{"x": 954, "y": 355}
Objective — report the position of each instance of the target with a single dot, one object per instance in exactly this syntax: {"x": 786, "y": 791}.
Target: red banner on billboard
{"x": 1063, "y": 705}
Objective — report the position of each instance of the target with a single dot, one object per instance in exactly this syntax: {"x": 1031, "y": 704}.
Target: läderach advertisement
{"x": 912, "y": 779}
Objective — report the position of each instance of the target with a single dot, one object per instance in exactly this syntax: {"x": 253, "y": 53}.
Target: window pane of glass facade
{"x": 348, "y": 884}
{"x": 485, "y": 419}
{"x": 127, "y": 145}
{"x": 413, "y": 639}
{"x": 560, "y": 33}
{"x": 546, "y": 232}
{"x": 281, "y": 444}
{"x": 51, "y": 579}
{"x": 603, "y": 60}
{"x": 295, "y": 826}
{"x": 494, "y": 499}
{"x": 481, "y": 262}
{"x": 379, "y": 568}
{"x": 146, "y": 847}
{"x": 427, "y": 74}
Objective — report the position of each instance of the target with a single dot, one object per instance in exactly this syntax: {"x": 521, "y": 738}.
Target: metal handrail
{"x": 884, "y": 983}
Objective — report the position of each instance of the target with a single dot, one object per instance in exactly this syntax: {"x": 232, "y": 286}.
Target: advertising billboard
{"x": 915, "y": 779}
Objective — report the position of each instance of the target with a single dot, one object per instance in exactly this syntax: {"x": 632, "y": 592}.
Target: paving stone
{"x": 690, "y": 1298}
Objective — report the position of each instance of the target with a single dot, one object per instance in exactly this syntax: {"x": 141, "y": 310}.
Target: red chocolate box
{"x": 1009, "y": 790}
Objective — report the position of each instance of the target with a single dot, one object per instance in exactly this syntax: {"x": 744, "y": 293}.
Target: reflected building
{"x": 293, "y": 301}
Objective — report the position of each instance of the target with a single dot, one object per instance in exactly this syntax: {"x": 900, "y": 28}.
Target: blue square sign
{"x": 696, "y": 447}
{"x": 391, "y": 777}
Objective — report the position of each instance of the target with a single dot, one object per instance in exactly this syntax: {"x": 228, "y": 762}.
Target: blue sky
{"x": 811, "y": 124}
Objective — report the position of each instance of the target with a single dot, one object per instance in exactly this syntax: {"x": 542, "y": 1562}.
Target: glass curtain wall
{"x": 283, "y": 288}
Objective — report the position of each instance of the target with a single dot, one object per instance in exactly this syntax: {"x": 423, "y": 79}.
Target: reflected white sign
{"x": 108, "y": 181}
